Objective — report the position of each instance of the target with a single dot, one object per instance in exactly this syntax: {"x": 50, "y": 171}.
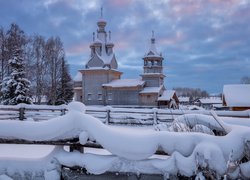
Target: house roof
{"x": 125, "y": 83}
{"x": 210, "y": 100}
{"x": 149, "y": 90}
{"x": 167, "y": 95}
{"x": 237, "y": 95}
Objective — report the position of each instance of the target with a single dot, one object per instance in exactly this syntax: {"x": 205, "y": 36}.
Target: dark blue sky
{"x": 206, "y": 43}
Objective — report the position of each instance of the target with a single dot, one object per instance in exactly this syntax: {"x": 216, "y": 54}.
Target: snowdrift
{"x": 190, "y": 153}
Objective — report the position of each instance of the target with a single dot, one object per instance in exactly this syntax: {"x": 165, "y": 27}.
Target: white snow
{"x": 46, "y": 167}
{"x": 167, "y": 95}
{"x": 78, "y": 77}
{"x": 151, "y": 90}
{"x": 125, "y": 83}
{"x": 211, "y": 100}
{"x": 133, "y": 150}
{"x": 237, "y": 95}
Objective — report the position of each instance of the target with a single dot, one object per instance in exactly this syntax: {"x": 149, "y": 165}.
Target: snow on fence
{"x": 108, "y": 114}
{"x": 26, "y": 111}
{"x": 195, "y": 155}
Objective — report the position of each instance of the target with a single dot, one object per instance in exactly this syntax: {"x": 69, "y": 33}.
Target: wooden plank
{"x": 81, "y": 173}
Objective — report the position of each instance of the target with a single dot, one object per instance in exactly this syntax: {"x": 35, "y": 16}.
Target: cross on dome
{"x": 101, "y": 12}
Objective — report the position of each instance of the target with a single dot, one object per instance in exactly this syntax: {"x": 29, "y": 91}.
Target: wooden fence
{"x": 108, "y": 115}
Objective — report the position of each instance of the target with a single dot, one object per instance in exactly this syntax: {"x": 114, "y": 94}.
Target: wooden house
{"x": 236, "y": 96}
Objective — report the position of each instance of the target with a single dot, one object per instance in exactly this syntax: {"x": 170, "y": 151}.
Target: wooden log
{"x": 80, "y": 173}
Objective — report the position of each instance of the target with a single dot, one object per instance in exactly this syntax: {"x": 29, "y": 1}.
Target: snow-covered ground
{"x": 130, "y": 149}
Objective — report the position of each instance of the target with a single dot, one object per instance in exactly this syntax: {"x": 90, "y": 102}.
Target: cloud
{"x": 200, "y": 40}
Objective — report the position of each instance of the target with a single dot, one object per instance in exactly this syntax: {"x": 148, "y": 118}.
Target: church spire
{"x": 101, "y": 12}
{"x": 153, "y": 37}
{"x": 101, "y": 22}
{"x": 152, "y": 49}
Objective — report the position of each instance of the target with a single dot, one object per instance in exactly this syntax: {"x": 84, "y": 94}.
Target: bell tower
{"x": 153, "y": 66}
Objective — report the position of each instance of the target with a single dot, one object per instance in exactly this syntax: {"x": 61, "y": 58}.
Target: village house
{"x": 184, "y": 100}
{"x": 209, "y": 102}
{"x": 100, "y": 83}
{"x": 236, "y": 96}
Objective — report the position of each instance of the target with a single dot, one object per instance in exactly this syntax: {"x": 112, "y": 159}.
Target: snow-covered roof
{"x": 78, "y": 77}
{"x": 97, "y": 40}
{"x": 106, "y": 58}
{"x": 147, "y": 90}
{"x": 194, "y": 107}
{"x": 77, "y": 88}
{"x": 211, "y": 100}
{"x": 166, "y": 95}
{"x": 100, "y": 68}
{"x": 125, "y": 83}
{"x": 183, "y": 99}
{"x": 152, "y": 52}
{"x": 237, "y": 95}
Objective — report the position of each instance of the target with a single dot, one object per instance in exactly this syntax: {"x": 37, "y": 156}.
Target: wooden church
{"x": 100, "y": 82}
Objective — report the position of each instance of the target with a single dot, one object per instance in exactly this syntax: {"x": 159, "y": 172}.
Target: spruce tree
{"x": 15, "y": 87}
{"x": 65, "y": 90}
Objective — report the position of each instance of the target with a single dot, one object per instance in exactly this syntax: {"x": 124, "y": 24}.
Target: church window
{"x": 110, "y": 96}
{"x": 99, "y": 96}
{"x": 89, "y": 98}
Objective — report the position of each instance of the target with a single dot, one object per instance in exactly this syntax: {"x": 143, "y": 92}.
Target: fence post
{"x": 63, "y": 112}
{"x": 155, "y": 116}
{"x": 76, "y": 147}
{"x": 108, "y": 114}
{"x": 21, "y": 113}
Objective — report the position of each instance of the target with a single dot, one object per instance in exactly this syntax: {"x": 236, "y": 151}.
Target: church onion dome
{"x": 101, "y": 21}
{"x": 110, "y": 44}
{"x": 101, "y": 24}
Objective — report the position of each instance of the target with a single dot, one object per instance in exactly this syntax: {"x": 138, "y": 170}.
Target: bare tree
{"x": 3, "y": 58}
{"x": 38, "y": 68}
{"x": 191, "y": 92}
{"x": 54, "y": 54}
{"x": 245, "y": 80}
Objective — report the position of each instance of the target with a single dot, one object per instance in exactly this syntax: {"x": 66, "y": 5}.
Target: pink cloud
{"x": 77, "y": 49}
{"x": 182, "y": 8}
{"x": 230, "y": 44}
{"x": 120, "y": 3}
{"x": 179, "y": 36}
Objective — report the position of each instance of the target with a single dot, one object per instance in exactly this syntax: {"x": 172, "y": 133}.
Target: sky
{"x": 205, "y": 43}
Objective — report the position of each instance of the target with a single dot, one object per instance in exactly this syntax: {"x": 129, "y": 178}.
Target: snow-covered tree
{"x": 15, "y": 87}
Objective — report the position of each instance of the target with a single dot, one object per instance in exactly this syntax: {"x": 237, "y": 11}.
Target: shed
{"x": 168, "y": 99}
